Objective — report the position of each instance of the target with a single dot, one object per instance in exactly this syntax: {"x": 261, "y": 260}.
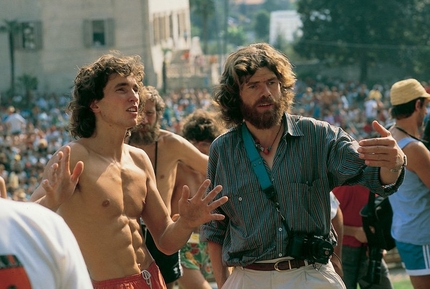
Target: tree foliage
{"x": 204, "y": 9}
{"x": 12, "y": 28}
{"x": 262, "y": 25}
{"x": 364, "y": 32}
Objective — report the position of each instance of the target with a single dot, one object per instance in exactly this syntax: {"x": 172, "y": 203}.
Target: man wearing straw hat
{"x": 411, "y": 203}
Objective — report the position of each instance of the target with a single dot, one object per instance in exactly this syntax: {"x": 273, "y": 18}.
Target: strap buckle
{"x": 276, "y": 266}
{"x": 270, "y": 192}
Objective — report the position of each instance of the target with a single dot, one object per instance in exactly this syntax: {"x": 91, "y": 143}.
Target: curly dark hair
{"x": 202, "y": 126}
{"x": 89, "y": 85}
{"x": 240, "y": 66}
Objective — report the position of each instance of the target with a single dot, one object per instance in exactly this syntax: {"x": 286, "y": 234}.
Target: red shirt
{"x": 352, "y": 199}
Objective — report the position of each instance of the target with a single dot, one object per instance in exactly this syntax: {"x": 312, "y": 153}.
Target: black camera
{"x": 312, "y": 248}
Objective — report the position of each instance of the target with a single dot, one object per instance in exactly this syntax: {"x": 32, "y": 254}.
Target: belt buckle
{"x": 276, "y": 266}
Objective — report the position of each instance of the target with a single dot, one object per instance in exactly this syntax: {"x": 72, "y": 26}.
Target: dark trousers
{"x": 354, "y": 264}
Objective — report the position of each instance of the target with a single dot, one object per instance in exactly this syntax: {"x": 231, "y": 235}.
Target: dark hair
{"x": 405, "y": 110}
{"x": 426, "y": 133}
{"x": 201, "y": 126}
{"x": 242, "y": 65}
{"x": 89, "y": 85}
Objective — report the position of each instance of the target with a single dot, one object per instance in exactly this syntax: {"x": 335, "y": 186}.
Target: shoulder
{"x": 169, "y": 138}
{"x": 300, "y": 126}
{"x": 174, "y": 144}
{"x": 136, "y": 153}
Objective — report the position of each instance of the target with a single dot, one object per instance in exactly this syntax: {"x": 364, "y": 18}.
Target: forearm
{"x": 221, "y": 272}
{"x": 174, "y": 237}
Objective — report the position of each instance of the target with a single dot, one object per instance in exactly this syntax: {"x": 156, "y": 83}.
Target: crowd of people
{"x": 258, "y": 103}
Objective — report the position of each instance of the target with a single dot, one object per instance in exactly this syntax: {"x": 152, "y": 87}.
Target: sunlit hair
{"x": 153, "y": 95}
{"x": 240, "y": 66}
{"x": 202, "y": 126}
{"x": 89, "y": 85}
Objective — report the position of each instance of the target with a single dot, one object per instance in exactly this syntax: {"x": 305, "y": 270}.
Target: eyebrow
{"x": 125, "y": 83}
{"x": 255, "y": 82}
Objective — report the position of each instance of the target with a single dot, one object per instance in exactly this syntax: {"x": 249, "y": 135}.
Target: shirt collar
{"x": 291, "y": 125}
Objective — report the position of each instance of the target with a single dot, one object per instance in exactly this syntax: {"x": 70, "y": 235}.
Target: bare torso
{"x": 170, "y": 150}
{"x": 104, "y": 210}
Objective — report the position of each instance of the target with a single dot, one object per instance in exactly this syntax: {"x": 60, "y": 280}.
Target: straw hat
{"x": 406, "y": 90}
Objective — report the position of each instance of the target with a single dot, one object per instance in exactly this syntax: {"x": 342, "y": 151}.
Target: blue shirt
{"x": 312, "y": 158}
{"x": 411, "y": 208}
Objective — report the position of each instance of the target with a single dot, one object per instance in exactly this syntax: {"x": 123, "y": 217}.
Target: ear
{"x": 94, "y": 106}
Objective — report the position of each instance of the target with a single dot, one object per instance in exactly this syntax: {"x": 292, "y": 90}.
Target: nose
{"x": 134, "y": 96}
{"x": 266, "y": 91}
{"x": 144, "y": 119}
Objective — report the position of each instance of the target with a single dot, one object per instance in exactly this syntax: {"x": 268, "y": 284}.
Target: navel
{"x": 106, "y": 203}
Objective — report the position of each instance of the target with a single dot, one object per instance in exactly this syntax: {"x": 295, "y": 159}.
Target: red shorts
{"x": 148, "y": 279}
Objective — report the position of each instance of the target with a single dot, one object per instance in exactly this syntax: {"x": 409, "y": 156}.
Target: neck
{"x": 269, "y": 141}
{"x": 408, "y": 129}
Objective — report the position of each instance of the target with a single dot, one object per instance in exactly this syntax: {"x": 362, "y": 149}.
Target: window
{"x": 29, "y": 36}
{"x": 99, "y": 33}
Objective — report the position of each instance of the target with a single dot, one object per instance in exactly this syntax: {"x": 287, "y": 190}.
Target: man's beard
{"x": 263, "y": 120}
{"x": 144, "y": 134}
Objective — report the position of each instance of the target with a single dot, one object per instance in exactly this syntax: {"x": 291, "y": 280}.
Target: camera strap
{"x": 257, "y": 164}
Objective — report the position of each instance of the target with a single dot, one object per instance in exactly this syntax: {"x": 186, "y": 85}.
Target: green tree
{"x": 236, "y": 35}
{"x": 11, "y": 27}
{"x": 205, "y": 9}
{"x": 362, "y": 32}
{"x": 262, "y": 25}
{"x": 27, "y": 83}
{"x": 274, "y": 5}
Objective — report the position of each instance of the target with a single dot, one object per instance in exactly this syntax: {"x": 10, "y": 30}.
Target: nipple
{"x": 106, "y": 203}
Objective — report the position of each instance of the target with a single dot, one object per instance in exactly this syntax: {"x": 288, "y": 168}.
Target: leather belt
{"x": 278, "y": 266}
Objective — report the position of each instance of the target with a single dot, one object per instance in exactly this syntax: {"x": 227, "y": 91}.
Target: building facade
{"x": 56, "y": 37}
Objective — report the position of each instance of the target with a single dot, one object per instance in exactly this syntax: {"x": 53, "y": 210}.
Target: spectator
{"x": 37, "y": 248}
{"x": 165, "y": 150}
{"x": 411, "y": 204}
{"x": 200, "y": 128}
{"x": 355, "y": 259}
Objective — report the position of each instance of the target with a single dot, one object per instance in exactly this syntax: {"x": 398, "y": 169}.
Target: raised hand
{"x": 199, "y": 209}
{"x": 59, "y": 183}
{"x": 382, "y": 151}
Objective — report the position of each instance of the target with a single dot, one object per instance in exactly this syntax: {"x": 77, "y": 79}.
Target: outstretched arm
{"x": 383, "y": 152}
{"x": 58, "y": 182}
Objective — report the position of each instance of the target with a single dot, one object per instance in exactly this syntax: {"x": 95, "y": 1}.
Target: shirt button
{"x": 280, "y": 229}
{"x": 280, "y": 254}
{"x": 240, "y": 199}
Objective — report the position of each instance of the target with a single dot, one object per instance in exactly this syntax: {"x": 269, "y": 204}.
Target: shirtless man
{"x": 165, "y": 149}
{"x": 117, "y": 186}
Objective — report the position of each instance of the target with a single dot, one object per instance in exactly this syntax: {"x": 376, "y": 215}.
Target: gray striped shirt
{"x": 312, "y": 158}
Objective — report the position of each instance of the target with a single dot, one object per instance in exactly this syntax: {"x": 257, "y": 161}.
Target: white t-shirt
{"x": 15, "y": 122}
{"x": 334, "y": 204}
{"x": 44, "y": 244}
